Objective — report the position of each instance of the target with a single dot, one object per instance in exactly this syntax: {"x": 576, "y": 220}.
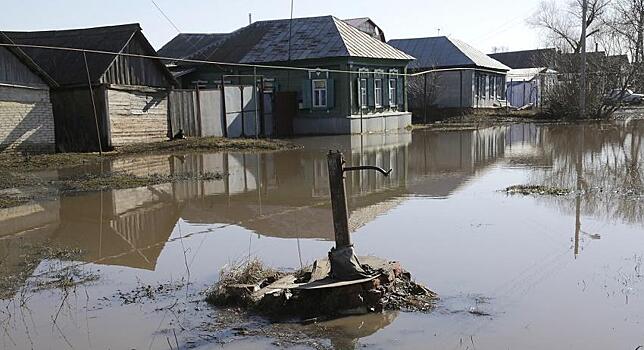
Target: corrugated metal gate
{"x": 203, "y": 112}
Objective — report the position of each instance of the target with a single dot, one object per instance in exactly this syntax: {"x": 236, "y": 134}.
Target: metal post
{"x": 224, "y": 120}
{"x": 425, "y": 98}
{"x": 241, "y": 91}
{"x": 335, "y": 163}
{"x": 582, "y": 83}
{"x": 255, "y": 89}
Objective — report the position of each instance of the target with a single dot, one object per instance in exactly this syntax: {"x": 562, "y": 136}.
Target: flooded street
{"x": 512, "y": 271}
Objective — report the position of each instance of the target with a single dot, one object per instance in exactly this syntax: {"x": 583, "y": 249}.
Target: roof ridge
{"x": 63, "y": 31}
{"x": 364, "y": 36}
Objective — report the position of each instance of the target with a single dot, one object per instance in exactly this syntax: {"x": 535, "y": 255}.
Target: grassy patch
{"x": 207, "y": 144}
{"x": 527, "y": 190}
{"x": 26, "y": 162}
{"x": 8, "y": 201}
{"x": 119, "y": 180}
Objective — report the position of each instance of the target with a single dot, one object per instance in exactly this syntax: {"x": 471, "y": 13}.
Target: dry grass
{"x": 26, "y": 162}
{"x": 252, "y": 272}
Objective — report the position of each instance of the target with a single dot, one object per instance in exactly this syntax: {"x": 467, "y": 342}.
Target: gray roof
{"x": 26, "y": 60}
{"x": 527, "y": 58}
{"x": 444, "y": 52}
{"x": 368, "y": 26}
{"x": 68, "y": 67}
{"x": 311, "y": 38}
{"x": 187, "y": 44}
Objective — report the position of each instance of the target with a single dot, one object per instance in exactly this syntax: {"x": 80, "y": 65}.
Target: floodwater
{"x": 512, "y": 271}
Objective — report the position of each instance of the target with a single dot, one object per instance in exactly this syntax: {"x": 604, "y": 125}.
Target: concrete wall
{"x": 26, "y": 120}
{"x": 137, "y": 115}
{"x": 355, "y": 124}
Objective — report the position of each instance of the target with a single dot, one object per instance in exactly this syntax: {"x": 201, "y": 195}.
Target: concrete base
{"x": 354, "y": 124}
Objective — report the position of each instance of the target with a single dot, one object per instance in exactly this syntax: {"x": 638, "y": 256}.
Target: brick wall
{"x": 137, "y": 116}
{"x": 26, "y": 120}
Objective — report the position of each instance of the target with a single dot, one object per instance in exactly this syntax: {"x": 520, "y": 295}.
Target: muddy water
{"x": 523, "y": 272}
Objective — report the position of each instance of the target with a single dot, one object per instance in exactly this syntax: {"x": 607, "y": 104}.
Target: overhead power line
{"x": 245, "y": 65}
{"x": 166, "y": 16}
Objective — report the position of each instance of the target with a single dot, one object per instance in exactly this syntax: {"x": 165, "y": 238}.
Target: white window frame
{"x": 316, "y": 91}
{"x": 377, "y": 93}
{"x": 393, "y": 91}
{"x": 363, "y": 92}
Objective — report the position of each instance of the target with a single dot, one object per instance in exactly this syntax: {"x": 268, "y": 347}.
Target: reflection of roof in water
{"x": 134, "y": 238}
{"x": 312, "y": 221}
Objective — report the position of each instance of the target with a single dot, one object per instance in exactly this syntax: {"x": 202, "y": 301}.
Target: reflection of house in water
{"x": 279, "y": 194}
{"x": 441, "y": 162}
{"x": 22, "y": 227}
{"x": 286, "y": 194}
{"x": 119, "y": 227}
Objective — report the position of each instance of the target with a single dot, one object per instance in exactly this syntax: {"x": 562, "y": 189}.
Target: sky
{"x": 482, "y": 24}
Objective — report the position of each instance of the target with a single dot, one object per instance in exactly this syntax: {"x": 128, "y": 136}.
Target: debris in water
{"x": 527, "y": 190}
{"x": 312, "y": 295}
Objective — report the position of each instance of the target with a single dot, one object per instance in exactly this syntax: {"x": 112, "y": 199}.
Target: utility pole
{"x": 582, "y": 80}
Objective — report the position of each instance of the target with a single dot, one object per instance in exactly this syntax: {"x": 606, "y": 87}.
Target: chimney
{"x": 250, "y": 18}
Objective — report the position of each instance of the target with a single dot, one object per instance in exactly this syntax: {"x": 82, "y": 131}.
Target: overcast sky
{"x": 483, "y": 24}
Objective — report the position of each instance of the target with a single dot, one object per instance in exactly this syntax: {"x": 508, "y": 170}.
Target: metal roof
{"x": 366, "y": 25}
{"x": 527, "y": 74}
{"x": 26, "y": 60}
{"x": 445, "y": 52}
{"x": 527, "y": 58}
{"x": 311, "y": 38}
{"x": 187, "y": 44}
{"x": 68, "y": 67}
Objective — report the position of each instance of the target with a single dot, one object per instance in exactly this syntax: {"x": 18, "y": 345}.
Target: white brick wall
{"x": 26, "y": 120}
{"x": 137, "y": 116}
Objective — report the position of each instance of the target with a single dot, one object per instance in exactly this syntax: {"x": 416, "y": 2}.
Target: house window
{"x": 319, "y": 93}
{"x": 500, "y": 87}
{"x": 378, "y": 92}
{"x": 483, "y": 85}
{"x": 392, "y": 92}
{"x": 363, "y": 92}
{"x": 492, "y": 87}
{"x": 477, "y": 82}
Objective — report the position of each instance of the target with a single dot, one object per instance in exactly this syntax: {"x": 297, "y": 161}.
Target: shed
{"x": 470, "y": 78}
{"x": 128, "y": 94}
{"x": 26, "y": 117}
{"x": 527, "y": 86}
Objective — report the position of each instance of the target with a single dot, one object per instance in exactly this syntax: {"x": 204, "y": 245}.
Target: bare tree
{"x": 613, "y": 24}
{"x": 563, "y": 25}
{"x": 627, "y": 21}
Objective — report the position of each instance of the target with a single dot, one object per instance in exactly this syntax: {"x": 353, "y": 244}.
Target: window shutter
{"x": 306, "y": 94}
{"x": 385, "y": 91}
{"x": 330, "y": 93}
{"x": 371, "y": 101}
{"x": 358, "y": 102}
{"x": 400, "y": 90}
